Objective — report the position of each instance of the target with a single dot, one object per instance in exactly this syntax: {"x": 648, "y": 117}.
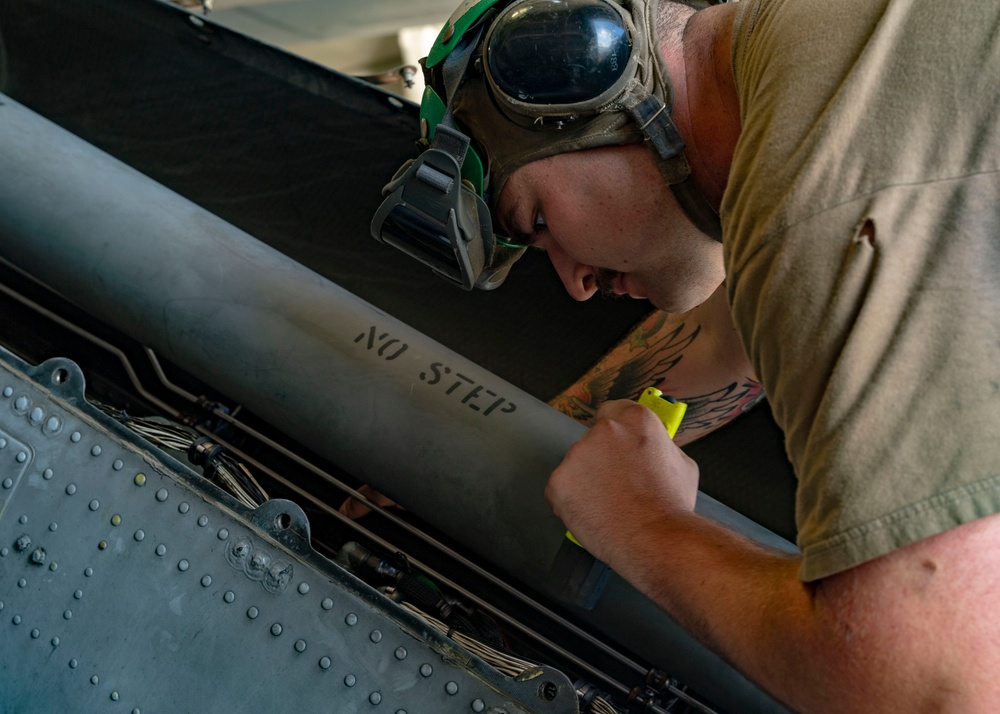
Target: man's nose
{"x": 579, "y": 280}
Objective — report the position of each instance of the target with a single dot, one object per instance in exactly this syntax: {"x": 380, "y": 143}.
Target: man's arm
{"x": 695, "y": 356}
{"x": 913, "y": 631}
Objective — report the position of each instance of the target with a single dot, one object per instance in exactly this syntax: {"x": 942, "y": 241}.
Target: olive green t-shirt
{"x": 862, "y": 246}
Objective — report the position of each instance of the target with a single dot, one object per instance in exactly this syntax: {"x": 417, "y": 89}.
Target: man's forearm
{"x": 742, "y": 600}
{"x": 869, "y": 639}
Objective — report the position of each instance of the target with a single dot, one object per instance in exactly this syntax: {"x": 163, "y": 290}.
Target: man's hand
{"x": 624, "y": 474}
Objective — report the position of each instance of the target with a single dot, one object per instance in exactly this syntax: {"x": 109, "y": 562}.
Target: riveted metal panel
{"x": 128, "y": 583}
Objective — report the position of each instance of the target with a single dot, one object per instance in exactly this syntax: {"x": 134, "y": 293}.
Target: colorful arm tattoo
{"x": 684, "y": 356}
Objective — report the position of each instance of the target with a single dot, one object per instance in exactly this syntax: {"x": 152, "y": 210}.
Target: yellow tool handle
{"x": 667, "y": 409}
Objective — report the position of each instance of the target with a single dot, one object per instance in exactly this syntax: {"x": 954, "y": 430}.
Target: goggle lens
{"x": 557, "y": 51}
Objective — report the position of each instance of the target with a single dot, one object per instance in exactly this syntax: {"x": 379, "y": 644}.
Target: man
{"x": 853, "y": 152}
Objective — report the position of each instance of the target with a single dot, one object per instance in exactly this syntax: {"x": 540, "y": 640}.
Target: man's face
{"x": 609, "y": 222}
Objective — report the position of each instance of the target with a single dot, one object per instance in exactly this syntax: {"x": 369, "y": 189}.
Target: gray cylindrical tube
{"x": 455, "y": 444}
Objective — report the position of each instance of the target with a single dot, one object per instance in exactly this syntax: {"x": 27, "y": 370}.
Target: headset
{"x": 539, "y": 77}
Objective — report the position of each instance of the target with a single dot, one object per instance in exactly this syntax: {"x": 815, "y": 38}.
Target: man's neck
{"x": 706, "y": 108}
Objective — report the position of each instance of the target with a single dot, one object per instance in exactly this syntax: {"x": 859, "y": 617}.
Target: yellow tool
{"x": 581, "y": 575}
{"x": 669, "y": 410}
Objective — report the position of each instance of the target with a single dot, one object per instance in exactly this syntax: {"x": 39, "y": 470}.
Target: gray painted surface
{"x": 128, "y": 581}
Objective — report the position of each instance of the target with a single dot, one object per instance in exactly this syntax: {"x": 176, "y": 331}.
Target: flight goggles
{"x": 509, "y": 83}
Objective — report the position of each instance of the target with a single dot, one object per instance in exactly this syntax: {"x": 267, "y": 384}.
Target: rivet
{"x": 38, "y": 556}
{"x": 114, "y": 696}
{"x": 88, "y": 571}
{"x": 136, "y": 711}
{"x": 1, "y": 604}
{"x": 229, "y": 596}
{"x": 327, "y": 603}
{"x": 400, "y": 653}
{"x": 118, "y": 465}
{"x": 71, "y": 489}
{"x": 23, "y": 519}
{"x": 325, "y": 662}
{"x": 8, "y": 482}
{"x": 206, "y": 580}
{"x": 94, "y": 504}
{"x": 278, "y": 576}
{"x": 139, "y": 535}
{"x": 451, "y": 688}
{"x": 448, "y": 32}
{"x": 183, "y": 508}
{"x": 426, "y": 670}
{"x": 36, "y": 415}
{"x": 4, "y": 551}
{"x": 303, "y": 588}
{"x": 21, "y": 457}
{"x": 424, "y": 128}
{"x": 75, "y": 437}
{"x": 21, "y": 404}
{"x": 478, "y": 705}
{"x": 202, "y": 521}
{"x": 53, "y": 566}
{"x": 161, "y": 495}
{"x": 22, "y": 583}
{"x": 256, "y": 566}
{"x": 140, "y": 480}
{"x": 73, "y": 663}
{"x": 350, "y": 680}
{"x": 351, "y": 619}
{"x": 252, "y": 613}
{"x": 223, "y": 533}
{"x": 35, "y": 633}
{"x": 375, "y": 697}
{"x": 3, "y": 443}
{"x": 183, "y": 565}
{"x": 23, "y": 542}
{"x": 161, "y": 549}
{"x": 7, "y": 391}
{"x": 95, "y": 450}
{"x": 116, "y": 520}
{"x": 68, "y": 615}
{"x": 300, "y": 645}
{"x": 403, "y": 711}
{"x": 47, "y": 474}
{"x": 94, "y": 679}
{"x": 102, "y": 545}
{"x": 78, "y": 594}
{"x": 276, "y": 629}
{"x": 16, "y": 619}
{"x": 52, "y": 425}
{"x": 375, "y": 636}
{"x": 55, "y": 641}
{"x": 53, "y": 526}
